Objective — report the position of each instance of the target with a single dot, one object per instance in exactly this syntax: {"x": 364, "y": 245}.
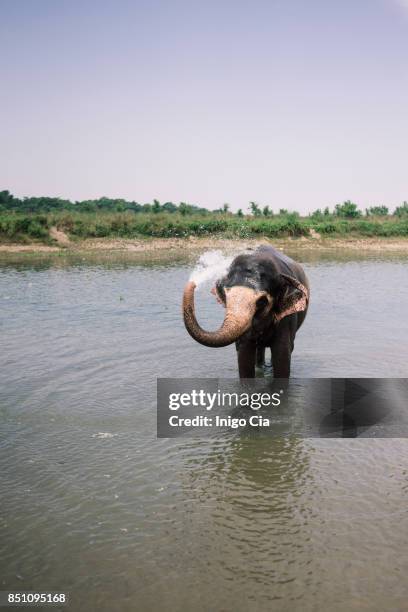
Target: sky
{"x": 289, "y": 103}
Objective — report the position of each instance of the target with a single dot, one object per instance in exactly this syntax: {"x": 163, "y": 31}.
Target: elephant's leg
{"x": 246, "y": 359}
{"x": 282, "y": 347}
{"x": 260, "y": 356}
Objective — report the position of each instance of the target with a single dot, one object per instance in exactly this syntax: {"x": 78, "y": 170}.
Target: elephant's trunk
{"x": 239, "y": 311}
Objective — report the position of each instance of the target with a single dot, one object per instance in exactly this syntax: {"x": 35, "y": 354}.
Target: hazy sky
{"x": 297, "y": 104}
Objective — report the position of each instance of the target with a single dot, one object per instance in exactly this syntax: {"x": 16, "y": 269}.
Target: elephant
{"x": 266, "y": 297}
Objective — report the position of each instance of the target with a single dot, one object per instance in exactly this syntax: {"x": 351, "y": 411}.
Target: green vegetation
{"x": 402, "y": 211}
{"x": 19, "y": 227}
{"x": 32, "y": 218}
{"x": 377, "y": 211}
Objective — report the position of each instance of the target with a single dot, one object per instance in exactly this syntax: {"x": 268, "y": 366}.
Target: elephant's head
{"x": 253, "y": 292}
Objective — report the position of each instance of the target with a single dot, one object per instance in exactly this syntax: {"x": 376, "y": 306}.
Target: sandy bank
{"x": 162, "y": 245}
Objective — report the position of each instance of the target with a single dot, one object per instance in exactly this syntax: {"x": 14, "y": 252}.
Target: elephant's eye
{"x": 221, "y": 291}
{"x": 262, "y": 303}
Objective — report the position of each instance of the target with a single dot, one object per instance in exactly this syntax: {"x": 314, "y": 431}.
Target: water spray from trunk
{"x": 210, "y": 266}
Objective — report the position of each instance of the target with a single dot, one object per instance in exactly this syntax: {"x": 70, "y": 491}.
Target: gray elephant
{"x": 266, "y": 296}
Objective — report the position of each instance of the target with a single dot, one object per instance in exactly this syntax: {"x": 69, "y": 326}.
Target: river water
{"x": 94, "y": 505}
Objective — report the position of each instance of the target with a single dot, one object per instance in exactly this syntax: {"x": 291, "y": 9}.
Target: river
{"x": 94, "y": 505}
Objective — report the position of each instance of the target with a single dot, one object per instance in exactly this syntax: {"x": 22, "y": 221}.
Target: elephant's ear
{"x": 294, "y": 297}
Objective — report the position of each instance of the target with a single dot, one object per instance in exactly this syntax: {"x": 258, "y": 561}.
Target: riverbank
{"x": 199, "y": 244}
{"x": 64, "y": 227}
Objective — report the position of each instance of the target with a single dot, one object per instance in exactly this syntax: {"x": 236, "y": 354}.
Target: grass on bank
{"x": 29, "y": 227}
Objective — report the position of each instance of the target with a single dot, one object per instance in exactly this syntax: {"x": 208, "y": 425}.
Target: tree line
{"x": 44, "y": 204}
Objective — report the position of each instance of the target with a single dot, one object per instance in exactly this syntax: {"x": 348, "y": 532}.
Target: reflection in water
{"x": 241, "y": 524}
{"x": 179, "y": 257}
{"x": 255, "y": 519}
{"x": 93, "y": 504}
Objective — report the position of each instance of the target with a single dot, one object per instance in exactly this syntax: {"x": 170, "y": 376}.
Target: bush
{"x": 326, "y": 228}
{"x": 15, "y": 226}
{"x": 401, "y": 211}
{"x": 377, "y": 211}
{"x": 317, "y": 215}
{"x": 348, "y": 210}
